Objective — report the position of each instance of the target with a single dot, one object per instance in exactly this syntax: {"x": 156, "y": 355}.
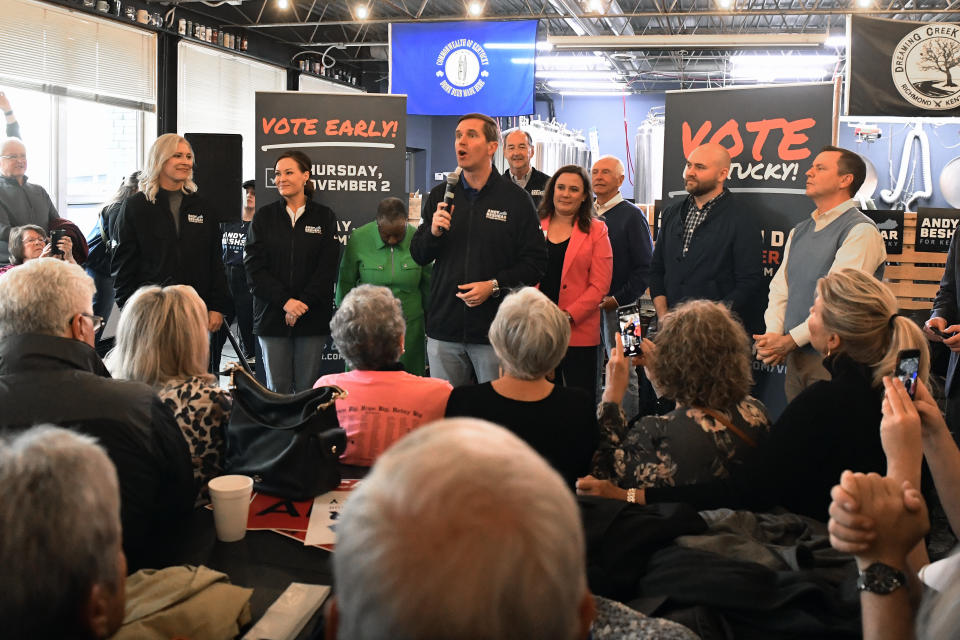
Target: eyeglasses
{"x": 96, "y": 321}
{"x": 18, "y": 156}
{"x": 35, "y": 240}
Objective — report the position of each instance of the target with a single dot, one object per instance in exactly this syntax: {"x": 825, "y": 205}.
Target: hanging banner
{"x": 452, "y": 68}
{"x": 890, "y": 223}
{"x": 773, "y": 133}
{"x": 935, "y": 228}
{"x": 357, "y": 144}
{"x": 903, "y": 68}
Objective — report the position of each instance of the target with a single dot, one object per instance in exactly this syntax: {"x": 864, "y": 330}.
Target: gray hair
{"x": 616, "y": 160}
{"x": 59, "y": 530}
{"x": 11, "y": 140}
{"x": 506, "y": 134}
{"x": 529, "y": 334}
{"x": 368, "y": 326}
{"x": 42, "y": 296}
{"x": 162, "y": 150}
{"x": 460, "y": 531}
{"x": 16, "y": 241}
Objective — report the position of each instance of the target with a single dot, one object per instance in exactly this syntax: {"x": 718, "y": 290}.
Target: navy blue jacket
{"x": 946, "y": 306}
{"x": 722, "y": 263}
{"x": 632, "y": 251}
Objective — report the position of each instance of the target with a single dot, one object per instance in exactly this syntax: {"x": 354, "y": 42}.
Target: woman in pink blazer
{"x": 579, "y": 269}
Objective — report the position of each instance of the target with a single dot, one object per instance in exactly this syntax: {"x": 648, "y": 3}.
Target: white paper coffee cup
{"x": 230, "y": 496}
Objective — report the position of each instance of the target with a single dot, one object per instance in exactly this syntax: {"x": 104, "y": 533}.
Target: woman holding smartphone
{"x": 831, "y": 426}
{"x": 291, "y": 262}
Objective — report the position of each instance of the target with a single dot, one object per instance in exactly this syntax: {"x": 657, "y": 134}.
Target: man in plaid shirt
{"x": 709, "y": 243}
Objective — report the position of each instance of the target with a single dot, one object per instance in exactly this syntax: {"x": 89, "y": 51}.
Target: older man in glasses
{"x": 50, "y": 373}
{"x": 21, "y": 202}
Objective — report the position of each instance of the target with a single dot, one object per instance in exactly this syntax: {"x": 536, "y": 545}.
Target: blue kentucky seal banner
{"x": 452, "y": 68}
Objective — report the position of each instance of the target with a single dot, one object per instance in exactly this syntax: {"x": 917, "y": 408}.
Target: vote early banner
{"x": 357, "y": 147}
{"x": 356, "y": 142}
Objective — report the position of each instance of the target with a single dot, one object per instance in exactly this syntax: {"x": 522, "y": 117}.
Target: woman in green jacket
{"x": 378, "y": 253}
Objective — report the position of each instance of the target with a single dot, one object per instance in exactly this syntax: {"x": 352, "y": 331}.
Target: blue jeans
{"x": 631, "y": 400}
{"x": 292, "y": 364}
{"x": 456, "y": 362}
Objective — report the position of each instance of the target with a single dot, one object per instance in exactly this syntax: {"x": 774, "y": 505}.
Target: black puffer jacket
{"x": 149, "y": 251}
{"x": 299, "y": 262}
{"x": 47, "y": 379}
{"x": 497, "y": 236}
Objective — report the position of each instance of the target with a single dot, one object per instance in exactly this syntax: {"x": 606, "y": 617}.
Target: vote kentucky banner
{"x": 773, "y": 133}
{"x": 903, "y": 68}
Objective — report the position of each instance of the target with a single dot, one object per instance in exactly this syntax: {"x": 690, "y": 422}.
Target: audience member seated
{"x": 883, "y": 520}
{"x": 29, "y": 242}
{"x": 162, "y": 341}
{"x": 62, "y": 562}
{"x": 530, "y": 335}
{"x": 832, "y": 425}
{"x": 383, "y": 401}
{"x": 463, "y": 531}
{"x": 49, "y": 372}
{"x": 899, "y": 517}
{"x": 702, "y": 361}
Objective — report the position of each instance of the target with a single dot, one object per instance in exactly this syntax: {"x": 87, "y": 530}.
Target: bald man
{"x": 709, "y": 243}
{"x": 21, "y": 202}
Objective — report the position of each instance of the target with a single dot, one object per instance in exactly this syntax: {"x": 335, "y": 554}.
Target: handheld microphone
{"x": 452, "y": 179}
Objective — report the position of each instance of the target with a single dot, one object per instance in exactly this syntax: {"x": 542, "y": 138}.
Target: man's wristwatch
{"x": 496, "y": 288}
{"x": 881, "y": 579}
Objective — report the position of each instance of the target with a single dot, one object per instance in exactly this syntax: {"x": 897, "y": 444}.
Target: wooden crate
{"x": 914, "y": 276}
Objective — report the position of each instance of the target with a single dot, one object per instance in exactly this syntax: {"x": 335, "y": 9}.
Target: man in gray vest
{"x": 836, "y": 236}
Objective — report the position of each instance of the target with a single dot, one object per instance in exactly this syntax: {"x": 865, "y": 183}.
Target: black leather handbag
{"x": 289, "y": 444}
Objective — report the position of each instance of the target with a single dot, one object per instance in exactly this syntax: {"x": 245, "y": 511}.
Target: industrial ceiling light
{"x": 282, "y": 4}
{"x": 772, "y": 68}
{"x": 688, "y": 41}
{"x": 361, "y": 12}
{"x": 475, "y": 8}
{"x": 588, "y": 85}
{"x": 576, "y": 74}
{"x": 724, "y": 4}
{"x": 864, "y": 4}
{"x": 594, "y": 6}
{"x": 573, "y": 62}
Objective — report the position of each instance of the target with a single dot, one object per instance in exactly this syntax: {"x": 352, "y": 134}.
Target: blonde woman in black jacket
{"x": 291, "y": 261}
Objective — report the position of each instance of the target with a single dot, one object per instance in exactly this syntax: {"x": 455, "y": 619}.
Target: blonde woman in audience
{"x": 162, "y": 341}
{"x": 831, "y": 426}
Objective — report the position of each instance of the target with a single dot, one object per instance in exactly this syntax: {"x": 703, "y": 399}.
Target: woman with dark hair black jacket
{"x": 291, "y": 261}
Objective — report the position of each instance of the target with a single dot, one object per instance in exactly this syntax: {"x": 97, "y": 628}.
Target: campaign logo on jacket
{"x": 313, "y": 229}
{"x": 493, "y": 214}
{"x": 195, "y": 218}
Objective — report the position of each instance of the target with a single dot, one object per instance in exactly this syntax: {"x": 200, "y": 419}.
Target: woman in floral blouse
{"x": 701, "y": 360}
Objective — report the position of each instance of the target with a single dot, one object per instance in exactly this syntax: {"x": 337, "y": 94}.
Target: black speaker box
{"x": 218, "y": 172}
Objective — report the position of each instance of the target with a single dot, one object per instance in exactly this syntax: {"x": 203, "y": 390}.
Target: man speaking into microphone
{"x": 484, "y": 241}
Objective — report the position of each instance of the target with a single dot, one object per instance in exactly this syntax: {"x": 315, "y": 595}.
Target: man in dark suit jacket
{"x": 518, "y": 150}
{"x": 708, "y": 246}
{"x": 945, "y": 319}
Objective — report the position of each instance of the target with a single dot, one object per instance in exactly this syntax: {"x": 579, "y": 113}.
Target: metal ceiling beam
{"x": 800, "y": 12}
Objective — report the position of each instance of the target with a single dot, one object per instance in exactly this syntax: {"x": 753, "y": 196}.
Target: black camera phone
{"x": 631, "y": 330}
{"x": 908, "y": 366}
{"x": 55, "y": 236}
